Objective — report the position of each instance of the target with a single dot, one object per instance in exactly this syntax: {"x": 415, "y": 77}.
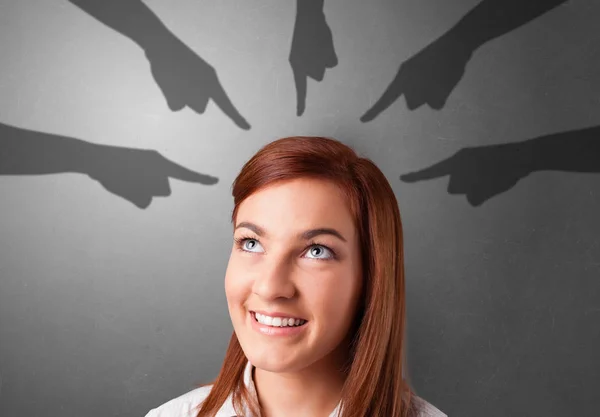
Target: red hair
{"x": 375, "y": 374}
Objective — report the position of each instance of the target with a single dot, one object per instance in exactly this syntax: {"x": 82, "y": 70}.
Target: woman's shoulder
{"x": 182, "y": 406}
{"x": 427, "y": 409}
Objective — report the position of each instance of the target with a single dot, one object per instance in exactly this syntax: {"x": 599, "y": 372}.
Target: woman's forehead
{"x": 298, "y": 206}
{"x": 306, "y": 191}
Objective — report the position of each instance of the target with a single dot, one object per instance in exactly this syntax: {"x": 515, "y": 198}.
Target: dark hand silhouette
{"x": 184, "y": 78}
{"x": 312, "y": 50}
{"x": 430, "y": 75}
{"x": 136, "y": 175}
{"x": 427, "y": 78}
{"x": 480, "y": 173}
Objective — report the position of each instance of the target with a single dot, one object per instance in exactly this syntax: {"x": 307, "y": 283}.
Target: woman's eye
{"x": 249, "y": 244}
{"x": 318, "y": 251}
{"x": 315, "y": 251}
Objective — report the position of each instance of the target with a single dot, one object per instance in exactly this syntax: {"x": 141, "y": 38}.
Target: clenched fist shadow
{"x": 137, "y": 175}
{"x": 480, "y": 173}
{"x": 312, "y": 50}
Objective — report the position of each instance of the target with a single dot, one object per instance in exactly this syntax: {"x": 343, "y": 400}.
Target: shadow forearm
{"x": 27, "y": 152}
{"x": 493, "y": 18}
{"x": 131, "y": 18}
{"x": 574, "y": 151}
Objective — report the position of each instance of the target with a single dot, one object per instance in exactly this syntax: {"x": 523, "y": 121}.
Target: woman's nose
{"x": 273, "y": 280}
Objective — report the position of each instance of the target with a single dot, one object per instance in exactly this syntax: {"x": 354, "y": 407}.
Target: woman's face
{"x": 296, "y": 251}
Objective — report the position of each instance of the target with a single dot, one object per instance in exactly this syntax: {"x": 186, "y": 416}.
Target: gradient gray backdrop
{"x": 109, "y": 309}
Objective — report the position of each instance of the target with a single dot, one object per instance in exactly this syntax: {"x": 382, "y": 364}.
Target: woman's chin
{"x": 268, "y": 361}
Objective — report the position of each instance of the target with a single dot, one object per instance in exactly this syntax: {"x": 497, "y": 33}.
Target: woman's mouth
{"x": 277, "y": 322}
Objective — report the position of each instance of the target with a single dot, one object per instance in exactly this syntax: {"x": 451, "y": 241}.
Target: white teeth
{"x": 278, "y": 321}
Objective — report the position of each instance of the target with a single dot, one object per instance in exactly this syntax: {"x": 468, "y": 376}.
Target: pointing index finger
{"x": 300, "y": 82}
{"x": 436, "y": 170}
{"x": 222, "y": 100}
{"x": 390, "y": 95}
{"x": 180, "y": 172}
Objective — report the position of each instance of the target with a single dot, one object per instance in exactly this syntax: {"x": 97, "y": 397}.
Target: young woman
{"x": 315, "y": 291}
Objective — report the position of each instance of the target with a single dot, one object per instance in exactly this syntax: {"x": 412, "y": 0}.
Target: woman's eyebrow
{"x": 306, "y": 235}
{"x": 309, "y": 234}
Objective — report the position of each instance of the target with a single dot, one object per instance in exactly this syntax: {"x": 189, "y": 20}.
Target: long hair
{"x": 376, "y": 382}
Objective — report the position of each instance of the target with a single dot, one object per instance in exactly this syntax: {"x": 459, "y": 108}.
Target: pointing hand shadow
{"x": 430, "y": 76}
{"x": 478, "y": 173}
{"x": 185, "y": 79}
{"x": 136, "y": 175}
{"x": 427, "y": 78}
{"x": 481, "y": 173}
{"x": 312, "y": 50}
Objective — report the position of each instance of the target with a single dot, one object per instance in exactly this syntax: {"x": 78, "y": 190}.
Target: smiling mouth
{"x": 277, "y": 321}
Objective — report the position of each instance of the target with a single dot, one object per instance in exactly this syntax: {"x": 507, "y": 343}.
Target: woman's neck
{"x": 313, "y": 391}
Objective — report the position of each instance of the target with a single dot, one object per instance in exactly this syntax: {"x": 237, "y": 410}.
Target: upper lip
{"x": 277, "y": 314}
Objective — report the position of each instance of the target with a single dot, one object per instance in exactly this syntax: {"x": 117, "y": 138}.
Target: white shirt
{"x": 185, "y": 405}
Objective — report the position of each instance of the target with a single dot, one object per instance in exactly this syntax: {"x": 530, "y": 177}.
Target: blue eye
{"x": 314, "y": 249}
{"x": 320, "y": 249}
{"x": 242, "y": 244}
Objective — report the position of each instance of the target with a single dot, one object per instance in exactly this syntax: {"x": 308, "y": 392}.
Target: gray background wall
{"x": 111, "y": 304}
